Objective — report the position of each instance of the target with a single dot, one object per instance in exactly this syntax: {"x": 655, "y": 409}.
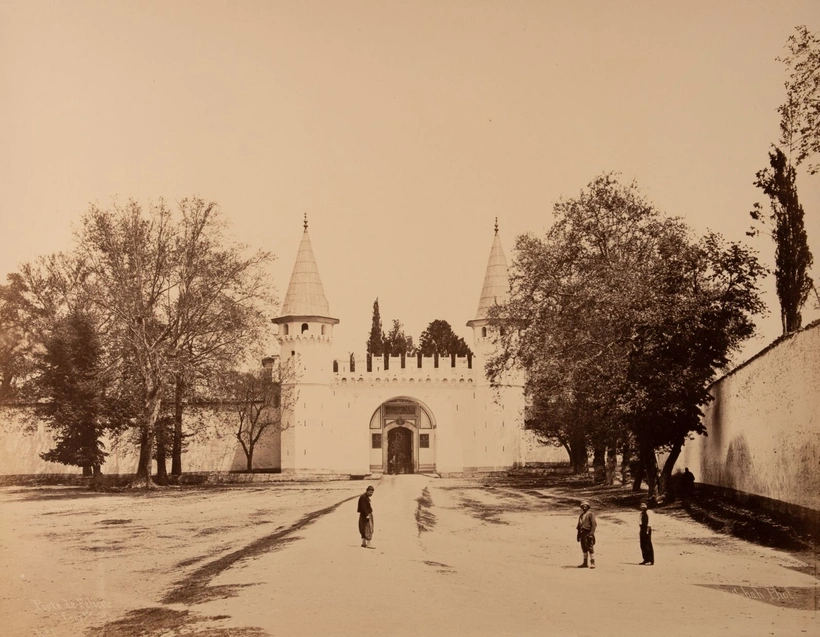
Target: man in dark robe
{"x": 647, "y": 550}
{"x": 366, "y": 517}
{"x": 688, "y": 480}
{"x": 586, "y": 535}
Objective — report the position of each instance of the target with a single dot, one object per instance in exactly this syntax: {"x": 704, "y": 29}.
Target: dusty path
{"x": 451, "y": 558}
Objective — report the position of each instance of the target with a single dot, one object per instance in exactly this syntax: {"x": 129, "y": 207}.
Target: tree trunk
{"x": 5, "y": 386}
{"x": 664, "y": 488}
{"x": 638, "y": 477}
{"x": 97, "y": 481}
{"x": 611, "y": 464}
{"x": 581, "y": 463}
{"x": 568, "y": 449}
{"x": 176, "y": 451}
{"x": 578, "y": 453}
{"x": 626, "y": 457}
{"x": 790, "y": 316}
{"x": 143, "y": 477}
{"x": 598, "y": 466}
{"x": 647, "y": 459}
{"x": 650, "y": 468}
{"x": 250, "y": 458}
{"x": 162, "y": 469}
{"x": 150, "y": 413}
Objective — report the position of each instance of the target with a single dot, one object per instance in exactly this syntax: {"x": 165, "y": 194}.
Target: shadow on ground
{"x": 797, "y": 597}
{"x": 196, "y": 589}
{"x": 730, "y": 518}
{"x": 158, "y": 622}
{"x": 425, "y": 518}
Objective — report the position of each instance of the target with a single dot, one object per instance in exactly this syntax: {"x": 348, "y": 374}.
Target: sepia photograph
{"x": 420, "y": 318}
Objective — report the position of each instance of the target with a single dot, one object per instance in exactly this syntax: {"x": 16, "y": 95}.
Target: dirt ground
{"x": 452, "y": 557}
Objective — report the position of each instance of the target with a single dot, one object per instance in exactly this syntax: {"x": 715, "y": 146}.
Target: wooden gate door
{"x": 400, "y": 450}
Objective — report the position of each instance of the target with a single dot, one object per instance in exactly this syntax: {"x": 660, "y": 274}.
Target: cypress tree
{"x": 72, "y": 386}
{"x": 375, "y": 344}
{"x": 792, "y": 256}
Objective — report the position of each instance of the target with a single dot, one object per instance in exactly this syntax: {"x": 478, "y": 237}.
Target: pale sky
{"x": 402, "y": 129}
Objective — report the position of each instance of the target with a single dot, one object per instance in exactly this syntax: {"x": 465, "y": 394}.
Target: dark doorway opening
{"x": 400, "y": 450}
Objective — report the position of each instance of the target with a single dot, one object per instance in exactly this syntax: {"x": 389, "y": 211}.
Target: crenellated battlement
{"x": 408, "y": 368}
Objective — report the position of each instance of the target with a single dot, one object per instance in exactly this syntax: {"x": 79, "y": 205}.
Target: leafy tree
{"x": 32, "y": 303}
{"x": 397, "y": 343}
{"x": 375, "y": 344}
{"x": 439, "y": 338}
{"x": 72, "y": 384}
{"x": 559, "y": 421}
{"x": 175, "y": 292}
{"x": 620, "y": 322}
{"x": 800, "y": 114}
{"x": 257, "y": 400}
{"x": 16, "y": 343}
{"x": 705, "y": 309}
{"x": 784, "y": 224}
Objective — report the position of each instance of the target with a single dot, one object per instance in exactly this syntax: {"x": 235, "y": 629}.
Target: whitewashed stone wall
{"x": 22, "y": 439}
{"x": 212, "y": 448}
{"x": 764, "y": 425}
{"x": 536, "y": 453}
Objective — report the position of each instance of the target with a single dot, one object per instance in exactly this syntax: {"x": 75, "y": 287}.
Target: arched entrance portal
{"x": 402, "y": 434}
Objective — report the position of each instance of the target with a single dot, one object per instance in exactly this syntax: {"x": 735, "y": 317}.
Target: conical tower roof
{"x": 496, "y": 280}
{"x": 305, "y": 296}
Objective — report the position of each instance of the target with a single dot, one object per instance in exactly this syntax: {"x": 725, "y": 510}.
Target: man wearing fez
{"x": 366, "y": 517}
{"x": 586, "y": 535}
{"x": 647, "y": 551}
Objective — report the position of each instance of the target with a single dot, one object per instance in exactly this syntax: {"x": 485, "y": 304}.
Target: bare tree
{"x": 176, "y": 292}
{"x": 800, "y": 114}
{"x": 257, "y": 400}
{"x": 229, "y": 330}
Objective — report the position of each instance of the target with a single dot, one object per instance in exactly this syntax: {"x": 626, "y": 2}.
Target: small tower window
{"x": 304, "y": 327}
{"x": 484, "y": 332}
{"x": 323, "y": 330}
{"x": 285, "y": 331}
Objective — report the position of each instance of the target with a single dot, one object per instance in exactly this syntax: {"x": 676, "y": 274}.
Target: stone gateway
{"x": 395, "y": 414}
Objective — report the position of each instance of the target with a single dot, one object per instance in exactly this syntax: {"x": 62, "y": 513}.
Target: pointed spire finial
{"x": 496, "y": 225}
{"x": 305, "y": 221}
{"x": 496, "y": 282}
{"x": 305, "y": 296}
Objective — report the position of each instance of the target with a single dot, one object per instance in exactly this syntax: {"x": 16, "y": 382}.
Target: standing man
{"x": 586, "y": 535}
{"x": 646, "y": 538}
{"x": 688, "y": 485}
{"x": 366, "y": 517}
